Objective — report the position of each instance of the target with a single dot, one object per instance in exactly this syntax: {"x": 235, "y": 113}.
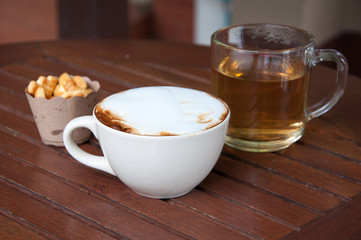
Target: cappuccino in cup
{"x": 159, "y": 141}
{"x": 161, "y": 111}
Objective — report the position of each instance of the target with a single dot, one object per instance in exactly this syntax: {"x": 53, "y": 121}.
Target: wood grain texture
{"x": 312, "y": 190}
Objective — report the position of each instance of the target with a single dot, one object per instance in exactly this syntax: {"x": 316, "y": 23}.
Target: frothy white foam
{"x": 159, "y": 110}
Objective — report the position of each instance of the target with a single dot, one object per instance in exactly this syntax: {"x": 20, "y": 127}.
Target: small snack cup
{"x": 52, "y": 115}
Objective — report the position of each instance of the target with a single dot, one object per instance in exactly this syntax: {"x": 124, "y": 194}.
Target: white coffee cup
{"x": 151, "y": 165}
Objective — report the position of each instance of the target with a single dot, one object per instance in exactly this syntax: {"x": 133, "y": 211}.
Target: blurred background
{"x": 335, "y": 23}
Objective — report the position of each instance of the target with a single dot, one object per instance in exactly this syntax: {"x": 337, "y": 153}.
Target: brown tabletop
{"x": 311, "y": 190}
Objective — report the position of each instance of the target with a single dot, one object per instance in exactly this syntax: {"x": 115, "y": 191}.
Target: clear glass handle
{"x": 329, "y": 101}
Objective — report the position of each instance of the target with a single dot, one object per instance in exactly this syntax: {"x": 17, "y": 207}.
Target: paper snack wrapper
{"x": 52, "y": 115}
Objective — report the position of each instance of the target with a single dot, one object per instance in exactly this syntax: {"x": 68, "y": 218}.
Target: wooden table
{"x": 311, "y": 190}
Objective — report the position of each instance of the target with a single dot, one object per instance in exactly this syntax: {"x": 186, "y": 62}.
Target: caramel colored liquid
{"x": 265, "y": 107}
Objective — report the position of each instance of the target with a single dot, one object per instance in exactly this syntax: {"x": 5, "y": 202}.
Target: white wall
{"x": 323, "y": 18}
{"x": 209, "y": 16}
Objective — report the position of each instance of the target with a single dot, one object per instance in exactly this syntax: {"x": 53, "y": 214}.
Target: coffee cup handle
{"x": 329, "y": 101}
{"x": 98, "y": 162}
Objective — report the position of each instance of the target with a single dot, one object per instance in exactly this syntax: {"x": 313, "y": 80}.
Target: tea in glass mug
{"x": 262, "y": 72}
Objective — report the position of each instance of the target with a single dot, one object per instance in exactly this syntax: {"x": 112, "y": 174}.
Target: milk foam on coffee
{"x": 161, "y": 111}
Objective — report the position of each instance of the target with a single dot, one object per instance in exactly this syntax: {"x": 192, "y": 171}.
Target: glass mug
{"x": 262, "y": 72}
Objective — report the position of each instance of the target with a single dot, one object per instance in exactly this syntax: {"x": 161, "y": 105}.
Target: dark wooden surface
{"x": 308, "y": 191}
